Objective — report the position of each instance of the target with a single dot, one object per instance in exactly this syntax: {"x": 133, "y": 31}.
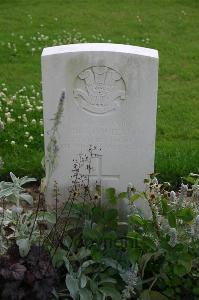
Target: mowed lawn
{"x": 171, "y": 26}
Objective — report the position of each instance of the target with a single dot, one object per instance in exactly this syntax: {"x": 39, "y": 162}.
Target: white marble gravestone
{"x": 110, "y": 103}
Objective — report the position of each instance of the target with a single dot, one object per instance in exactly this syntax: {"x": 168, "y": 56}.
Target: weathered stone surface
{"x": 110, "y": 103}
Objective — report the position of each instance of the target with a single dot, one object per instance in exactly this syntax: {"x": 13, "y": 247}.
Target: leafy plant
{"x": 166, "y": 246}
{"x": 93, "y": 254}
{"x": 14, "y": 192}
{"x": 86, "y": 241}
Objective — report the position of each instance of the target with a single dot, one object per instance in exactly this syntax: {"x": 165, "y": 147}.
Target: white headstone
{"x": 110, "y": 103}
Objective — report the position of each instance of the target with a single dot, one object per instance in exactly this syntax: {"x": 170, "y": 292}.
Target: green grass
{"x": 171, "y": 26}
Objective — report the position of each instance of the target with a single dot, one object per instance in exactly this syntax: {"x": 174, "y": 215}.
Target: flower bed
{"x": 83, "y": 251}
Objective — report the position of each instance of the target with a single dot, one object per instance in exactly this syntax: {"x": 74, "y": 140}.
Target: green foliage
{"x": 20, "y": 227}
{"x": 151, "y": 295}
{"x": 166, "y": 246}
{"x": 93, "y": 253}
{"x": 13, "y": 191}
{"x": 32, "y": 25}
{"x": 24, "y": 246}
{"x": 95, "y": 258}
{"x": 111, "y": 196}
{"x": 186, "y": 214}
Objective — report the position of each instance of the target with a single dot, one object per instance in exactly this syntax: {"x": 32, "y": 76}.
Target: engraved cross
{"x": 97, "y": 173}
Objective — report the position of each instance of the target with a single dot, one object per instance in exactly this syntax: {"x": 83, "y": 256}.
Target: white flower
{"x": 39, "y": 108}
{"x": 173, "y": 237}
{"x": 184, "y": 188}
{"x": 24, "y": 119}
{"x": 12, "y": 143}
{"x": 131, "y": 282}
{"x": 173, "y": 197}
{"x": 33, "y": 122}
{"x": 30, "y": 138}
{"x": 195, "y": 194}
{"x": 2, "y": 94}
{"x": 1, "y": 125}
{"x": 154, "y": 180}
{"x": 25, "y": 146}
{"x": 10, "y": 120}
{"x": 196, "y": 227}
{"x": 27, "y": 134}
{"x": 183, "y": 194}
{"x": 8, "y": 115}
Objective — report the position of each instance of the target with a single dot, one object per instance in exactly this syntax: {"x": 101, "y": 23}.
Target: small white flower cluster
{"x": 22, "y": 110}
{"x": 196, "y": 231}
{"x": 131, "y": 283}
{"x": 183, "y": 189}
{"x": 11, "y": 46}
{"x": 183, "y": 195}
{"x": 65, "y": 37}
{"x": 1, "y": 126}
{"x": 173, "y": 237}
{"x": 173, "y": 197}
{"x": 41, "y": 39}
{"x": 99, "y": 38}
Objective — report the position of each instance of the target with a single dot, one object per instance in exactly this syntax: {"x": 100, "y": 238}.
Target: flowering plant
{"x": 166, "y": 246}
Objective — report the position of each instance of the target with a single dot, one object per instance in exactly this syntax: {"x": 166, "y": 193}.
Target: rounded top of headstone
{"x": 100, "y": 47}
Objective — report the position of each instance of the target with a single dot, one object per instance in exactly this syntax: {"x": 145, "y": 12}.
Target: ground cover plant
{"x": 83, "y": 250}
{"x": 169, "y": 26}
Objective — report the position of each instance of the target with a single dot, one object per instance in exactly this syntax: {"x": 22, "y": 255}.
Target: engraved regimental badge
{"x": 99, "y": 89}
